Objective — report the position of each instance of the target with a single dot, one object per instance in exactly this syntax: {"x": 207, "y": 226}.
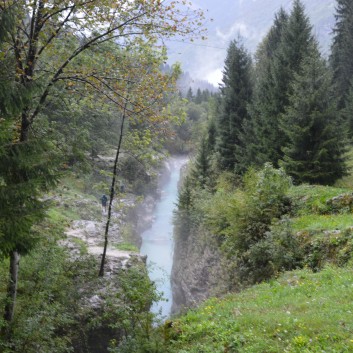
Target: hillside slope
{"x": 299, "y": 312}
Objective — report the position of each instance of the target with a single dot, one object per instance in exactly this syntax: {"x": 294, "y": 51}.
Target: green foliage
{"x": 244, "y": 216}
{"x": 132, "y": 317}
{"x": 342, "y": 50}
{"x": 138, "y": 173}
{"x": 296, "y": 313}
{"x": 202, "y": 164}
{"x": 47, "y": 305}
{"x": 26, "y": 170}
{"x": 12, "y": 96}
{"x": 190, "y": 95}
{"x": 186, "y": 130}
{"x": 316, "y": 143}
{"x": 322, "y": 222}
{"x": 347, "y": 113}
{"x": 127, "y": 247}
{"x": 320, "y": 247}
{"x": 236, "y": 93}
{"x": 279, "y": 59}
{"x": 313, "y": 199}
{"x": 279, "y": 250}
{"x": 261, "y": 131}
{"x": 182, "y": 219}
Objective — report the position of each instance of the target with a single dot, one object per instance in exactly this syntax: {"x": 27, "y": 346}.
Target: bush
{"x": 243, "y": 217}
{"x": 320, "y": 247}
{"x": 132, "y": 316}
{"x": 279, "y": 251}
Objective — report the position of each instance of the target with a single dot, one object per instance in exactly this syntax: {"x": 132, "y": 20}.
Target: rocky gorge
{"x": 131, "y": 216}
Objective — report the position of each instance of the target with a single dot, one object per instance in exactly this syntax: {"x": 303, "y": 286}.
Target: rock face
{"x": 89, "y": 234}
{"x": 85, "y": 238}
{"x": 141, "y": 217}
{"x": 198, "y": 272}
{"x": 341, "y": 203}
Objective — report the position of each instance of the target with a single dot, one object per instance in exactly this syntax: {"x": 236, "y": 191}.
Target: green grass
{"x": 323, "y": 222}
{"x": 73, "y": 202}
{"x": 62, "y": 215}
{"x": 127, "y": 247}
{"x": 81, "y": 244}
{"x": 312, "y": 198}
{"x": 299, "y": 312}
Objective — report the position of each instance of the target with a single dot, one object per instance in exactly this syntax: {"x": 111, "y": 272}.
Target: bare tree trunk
{"x": 11, "y": 295}
{"x": 115, "y": 168}
{"x": 12, "y": 287}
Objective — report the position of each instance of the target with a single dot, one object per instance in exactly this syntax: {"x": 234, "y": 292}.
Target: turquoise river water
{"x": 157, "y": 241}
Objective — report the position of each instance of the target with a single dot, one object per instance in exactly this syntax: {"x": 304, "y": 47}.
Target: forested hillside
{"x": 258, "y": 198}
{"x": 263, "y": 235}
{"x": 80, "y": 85}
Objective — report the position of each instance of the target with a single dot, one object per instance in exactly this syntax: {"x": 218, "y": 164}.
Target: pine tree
{"x": 347, "y": 114}
{"x": 261, "y": 130}
{"x": 342, "y": 51}
{"x": 26, "y": 170}
{"x": 198, "y": 98}
{"x": 190, "y": 95}
{"x": 211, "y": 136}
{"x": 236, "y": 93}
{"x": 202, "y": 165}
{"x": 284, "y": 49}
{"x": 315, "y": 149}
{"x": 202, "y": 171}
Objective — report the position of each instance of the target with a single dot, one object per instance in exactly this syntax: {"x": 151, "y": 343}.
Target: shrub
{"x": 278, "y": 251}
{"x": 243, "y": 217}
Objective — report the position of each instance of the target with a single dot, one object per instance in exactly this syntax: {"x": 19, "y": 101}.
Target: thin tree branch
{"x": 71, "y": 57}
{"x": 61, "y": 25}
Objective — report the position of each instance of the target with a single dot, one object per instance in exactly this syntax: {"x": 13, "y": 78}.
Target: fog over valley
{"x": 250, "y": 20}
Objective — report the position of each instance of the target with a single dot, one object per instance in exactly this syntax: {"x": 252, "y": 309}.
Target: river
{"x": 157, "y": 241}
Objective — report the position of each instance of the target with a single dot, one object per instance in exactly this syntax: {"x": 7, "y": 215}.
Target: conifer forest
{"x": 102, "y": 131}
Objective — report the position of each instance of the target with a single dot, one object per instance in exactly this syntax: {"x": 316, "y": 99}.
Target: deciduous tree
{"x": 46, "y": 44}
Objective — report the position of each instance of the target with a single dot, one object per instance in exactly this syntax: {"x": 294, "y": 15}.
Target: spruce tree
{"x": 285, "y": 47}
{"x": 198, "y": 97}
{"x": 205, "y": 95}
{"x": 347, "y": 114}
{"x": 261, "y": 130}
{"x": 342, "y": 50}
{"x": 315, "y": 149}
{"x": 236, "y": 93}
{"x": 27, "y": 169}
{"x": 190, "y": 95}
{"x": 202, "y": 165}
{"x": 211, "y": 136}
{"x": 202, "y": 171}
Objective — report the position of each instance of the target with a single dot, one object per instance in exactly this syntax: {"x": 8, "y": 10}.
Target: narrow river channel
{"x": 157, "y": 241}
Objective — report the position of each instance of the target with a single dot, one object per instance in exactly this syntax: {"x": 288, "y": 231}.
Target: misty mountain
{"x": 249, "y": 19}
{"x": 186, "y": 81}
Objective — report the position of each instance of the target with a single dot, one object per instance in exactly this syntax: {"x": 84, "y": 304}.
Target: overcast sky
{"x": 251, "y": 19}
